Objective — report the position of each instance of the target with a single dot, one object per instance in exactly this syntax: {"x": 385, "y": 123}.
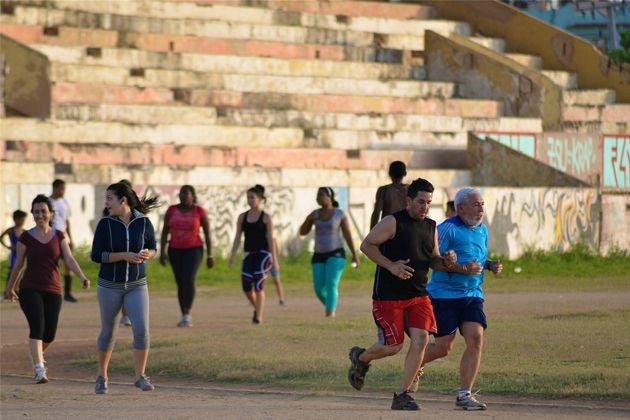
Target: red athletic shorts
{"x": 394, "y": 317}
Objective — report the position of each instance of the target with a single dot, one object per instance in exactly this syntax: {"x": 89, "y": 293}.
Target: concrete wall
{"x": 616, "y": 222}
{"x": 525, "y": 34}
{"x": 616, "y": 171}
{"x": 518, "y": 218}
{"x": 483, "y": 73}
{"x": 492, "y": 163}
{"x": 26, "y": 81}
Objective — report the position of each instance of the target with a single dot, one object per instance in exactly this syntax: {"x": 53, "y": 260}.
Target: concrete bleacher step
{"x": 130, "y": 58}
{"x": 374, "y": 121}
{"x": 98, "y": 38}
{"x": 264, "y": 16}
{"x": 369, "y": 34}
{"x": 91, "y": 132}
{"x": 531, "y": 61}
{"x": 564, "y": 79}
{"x": 134, "y": 114}
{"x": 588, "y": 97}
{"x": 189, "y": 156}
{"x": 146, "y": 77}
{"x": 433, "y": 125}
{"x": 494, "y": 44}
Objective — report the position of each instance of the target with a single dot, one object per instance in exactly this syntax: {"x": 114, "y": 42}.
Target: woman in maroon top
{"x": 40, "y": 288}
{"x": 185, "y": 249}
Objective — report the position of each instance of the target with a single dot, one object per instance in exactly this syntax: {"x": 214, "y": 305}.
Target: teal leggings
{"x": 326, "y": 278}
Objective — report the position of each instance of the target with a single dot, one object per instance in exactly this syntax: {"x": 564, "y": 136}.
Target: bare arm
{"x": 205, "y": 225}
{"x": 5, "y": 233}
{"x": 15, "y": 273}
{"x": 308, "y": 222}
{"x": 237, "y": 240}
{"x": 164, "y": 240}
{"x": 345, "y": 230}
{"x": 382, "y": 232}
{"x": 271, "y": 241}
{"x": 72, "y": 263}
{"x": 378, "y": 207}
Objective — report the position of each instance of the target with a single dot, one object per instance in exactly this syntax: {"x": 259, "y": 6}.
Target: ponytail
{"x": 144, "y": 205}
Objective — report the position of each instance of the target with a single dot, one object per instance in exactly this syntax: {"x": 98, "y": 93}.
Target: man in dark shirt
{"x": 391, "y": 198}
{"x": 404, "y": 247}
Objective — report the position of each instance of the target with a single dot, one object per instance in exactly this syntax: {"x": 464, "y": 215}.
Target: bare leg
{"x": 140, "y": 358}
{"x": 276, "y": 280}
{"x": 36, "y": 350}
{"x": 103, "y": 363}
{"x": 471, "y": 359}
{"x": 251, "y": 297}
{"x": 260, "y": 305}
{"x": 440, "y": 348}
{"x": 378, "y": 351}
{"x": 419, "y": 339}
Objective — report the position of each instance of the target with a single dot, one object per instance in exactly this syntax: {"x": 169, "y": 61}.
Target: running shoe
{"x": 144, "y": 384}
{"x": 185, "y": 322}
{"x": 101, "y": 385}
{"x": 125, "y": 321}
{"x": 405, "y": 402}
{"x": 358, "y": 369}
{"x": 416, "y": 380}
{"x": 40, "y": 375}
{"x": 469, "y": 402}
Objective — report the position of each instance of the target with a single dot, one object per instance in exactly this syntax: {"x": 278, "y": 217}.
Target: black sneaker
{"x": 405, "y": 402}
{"x": 358, "y": 369}
{"x": 69, "y": 298}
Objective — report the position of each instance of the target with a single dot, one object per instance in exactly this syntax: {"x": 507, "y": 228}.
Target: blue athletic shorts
{"x": 450, "y": 314}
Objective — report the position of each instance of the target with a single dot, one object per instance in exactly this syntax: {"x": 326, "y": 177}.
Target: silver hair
{"x": 462, "y": 195}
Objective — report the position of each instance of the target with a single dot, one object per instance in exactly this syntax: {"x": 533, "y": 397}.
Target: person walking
{"x": 40, "y": 288}
{"x": 329, "y": 258}
{"x": 185, "y": 248}
{"x": 259, "y": 253}
{"x": 404, "y": 247}
{"x": 391, "y": 198}
{"x": 457, "y": 297}
{"x": 124, "y": 240}
{"x": 14, "y": 232}
{"x": 61, "y": 222}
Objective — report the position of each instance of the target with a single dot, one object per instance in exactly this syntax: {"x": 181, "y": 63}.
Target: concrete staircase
{"x": 193, "y": 88}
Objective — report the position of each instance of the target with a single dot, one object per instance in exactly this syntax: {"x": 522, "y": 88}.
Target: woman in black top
{"x": 259, "y": 256}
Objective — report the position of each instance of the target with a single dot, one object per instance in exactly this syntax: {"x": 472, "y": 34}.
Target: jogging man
{"x": 391, "y": 198}
{"x": 457, "y": 298}
{"x": 404, "y": 246}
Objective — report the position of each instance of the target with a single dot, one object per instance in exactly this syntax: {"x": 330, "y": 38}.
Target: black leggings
{"x": 42, "y": 313}
{"x": 185, "y": 263}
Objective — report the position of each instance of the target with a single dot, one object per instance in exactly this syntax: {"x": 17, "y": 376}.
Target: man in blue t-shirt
{"x": 457, "y": 297}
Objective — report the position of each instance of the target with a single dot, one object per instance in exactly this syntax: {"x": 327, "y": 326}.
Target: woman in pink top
{"x": 185, "y": 248}
{"x": 40, "y": 288}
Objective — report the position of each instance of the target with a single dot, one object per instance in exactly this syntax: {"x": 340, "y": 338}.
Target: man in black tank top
{"x": 404, "y": 247}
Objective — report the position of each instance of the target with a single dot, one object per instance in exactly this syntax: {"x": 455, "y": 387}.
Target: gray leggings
{"x": 136, "y": 301}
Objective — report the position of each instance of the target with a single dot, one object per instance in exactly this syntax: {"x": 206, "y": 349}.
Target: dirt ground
{"x": 70, "y": 392}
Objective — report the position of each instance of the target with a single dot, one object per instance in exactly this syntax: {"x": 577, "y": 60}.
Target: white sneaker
{"x": 125, "y": 321}
{"x": 40, "y": 375}
{"x": 469, "y": 402}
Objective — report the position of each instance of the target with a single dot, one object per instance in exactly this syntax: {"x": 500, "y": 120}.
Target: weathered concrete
{"x": 558, "y": 49}
{"x": 236, "y": 30}
{"x": 26, "y": 79}
{"x": 616, "y": 222}
{"x": 483, "y": 73}
{"x": 78, "y": 73}
{"x": 129, "y": 58}
{"x": 592, "y": 97}
{"x": 135, "y": 114}
{"x": 98, "y": 38}
{"x": 579, "y": 155}
{"x": 263, "y": 16}
{"x": 492, "y": 163}
{"x": 188, "y": 156}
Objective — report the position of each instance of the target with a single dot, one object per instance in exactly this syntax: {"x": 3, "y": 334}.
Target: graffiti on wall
{"x": 541, "y": 218}
{"x": 616, "y": 170}
{"x": 518, "y": 218}
{"x": 523, "y": 142}
{"x": 576, "y": 154}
